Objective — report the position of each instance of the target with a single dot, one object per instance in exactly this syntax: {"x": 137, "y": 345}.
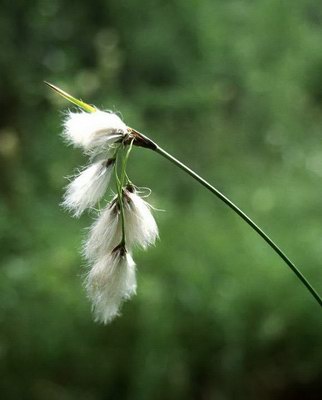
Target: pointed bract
{"x": 110, "y": 282}
{"x": 88, "y": 187}
{"x": 91, "y": 131}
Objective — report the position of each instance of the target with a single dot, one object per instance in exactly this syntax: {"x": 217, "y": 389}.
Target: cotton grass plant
{"x": 126, "y": 221}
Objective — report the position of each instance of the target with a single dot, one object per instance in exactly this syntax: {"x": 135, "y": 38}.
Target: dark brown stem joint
{"x": 140, "y": 140}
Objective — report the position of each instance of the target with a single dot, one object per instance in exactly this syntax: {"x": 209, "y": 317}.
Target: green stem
{"x": 119, "y": 186}
{"x": 125, "y": 159}
{"x": 120, "y": 182}
{"x": 144, "y": 141}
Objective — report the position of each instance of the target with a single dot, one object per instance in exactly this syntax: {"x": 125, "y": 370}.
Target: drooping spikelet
{"x": 105, "y": 234}
{"x": 140, "y": 225}
{"x": 111, "y": 281}
{"x": 88, "y": 187}
{"x": 92, "y": 131}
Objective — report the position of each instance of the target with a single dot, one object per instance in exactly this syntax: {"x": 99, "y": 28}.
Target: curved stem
{"x": 144, "y": 141}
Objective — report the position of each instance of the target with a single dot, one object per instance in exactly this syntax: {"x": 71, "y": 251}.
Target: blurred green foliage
{"x": 234, "y": 89}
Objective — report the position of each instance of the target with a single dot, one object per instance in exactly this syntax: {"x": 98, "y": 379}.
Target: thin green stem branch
{"x": 120, "y": 181}
{"x": 119, "y": 186}
{"x": 124, "y": 163}
{"x": 144, "y": 141}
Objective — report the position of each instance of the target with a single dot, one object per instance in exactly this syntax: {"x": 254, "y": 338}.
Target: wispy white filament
{"x": 88, "y": 187}
{"x": 111, "y": 281}
{"x": 93, "y": 130}
{"x": 104, "y": 234}
{"x": 140, "y": 225}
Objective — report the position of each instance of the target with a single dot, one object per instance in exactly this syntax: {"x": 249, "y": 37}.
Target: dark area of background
{"x": 234, "y": 89}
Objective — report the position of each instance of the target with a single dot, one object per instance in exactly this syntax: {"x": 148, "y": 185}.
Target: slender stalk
{"x": 124, "y": 164}
{"x": 144, "y": 141}
{"x": 120, "y": 182}
{"x": 119, "y": 186}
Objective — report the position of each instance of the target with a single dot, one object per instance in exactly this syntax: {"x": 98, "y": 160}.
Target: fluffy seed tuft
{"x": 92, "y": 131}
{"x": 140, "y": 225}
{"x": 88, "y": 187}
{"x": 104, "y": 234}
{"x": 110, "y": 282}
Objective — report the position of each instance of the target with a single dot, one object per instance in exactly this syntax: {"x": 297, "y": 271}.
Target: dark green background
{"x": 234, "y": 89}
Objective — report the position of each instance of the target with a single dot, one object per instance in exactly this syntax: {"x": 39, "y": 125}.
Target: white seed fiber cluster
{"x": 111, "y": 278}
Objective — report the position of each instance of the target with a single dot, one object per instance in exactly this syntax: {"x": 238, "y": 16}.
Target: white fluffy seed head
{"x": 104, "y": 234}
{"x": 111, "y": 281}
{"x": 93, "y": 130}
{"x": 140, "y": 225}
{"x": 88, "y": 187}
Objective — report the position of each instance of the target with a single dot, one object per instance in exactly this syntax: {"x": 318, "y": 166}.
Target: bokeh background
{"x": 232, "y": 88}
